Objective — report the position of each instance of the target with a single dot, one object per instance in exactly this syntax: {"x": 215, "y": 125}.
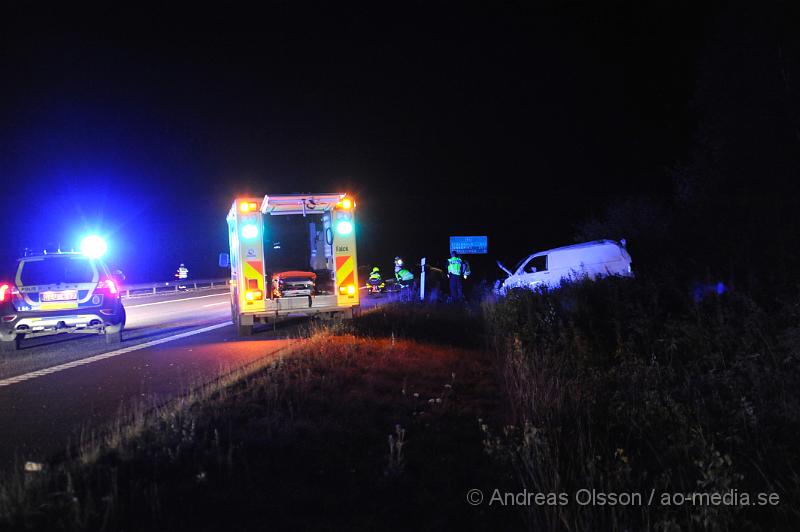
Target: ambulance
{"x": 291, "y": 255}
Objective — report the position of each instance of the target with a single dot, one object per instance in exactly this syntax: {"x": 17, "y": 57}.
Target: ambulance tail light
{"x": 349, "y": 289}
{"x": 254, "y": 295}
{"x": 5, "y": 292}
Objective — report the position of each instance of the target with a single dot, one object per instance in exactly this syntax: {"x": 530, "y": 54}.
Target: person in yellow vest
{"x": 405, "y": 280}
{"x": 404, "y": 276}
{"x": 182, "y": 275}
{"x": 376, "y": 280}
{"x": 455, "y": 269}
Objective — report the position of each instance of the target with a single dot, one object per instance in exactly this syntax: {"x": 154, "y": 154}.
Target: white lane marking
{"x": 215, "y": 304}
{"x": 82, "y": 362}
{"x": 175, "y": 300}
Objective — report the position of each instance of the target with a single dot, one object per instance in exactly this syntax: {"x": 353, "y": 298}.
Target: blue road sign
{"x": 470, "y": 245}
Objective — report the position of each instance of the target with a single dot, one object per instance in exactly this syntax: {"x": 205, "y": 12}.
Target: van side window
{"x": 536, "y": 264}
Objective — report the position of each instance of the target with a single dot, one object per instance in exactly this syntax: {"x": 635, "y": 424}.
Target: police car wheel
{"x": 10, "y": 346}
{"x": 113, "y": 333}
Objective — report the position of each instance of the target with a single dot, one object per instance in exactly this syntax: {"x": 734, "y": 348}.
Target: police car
{"x": 60, "y": 293}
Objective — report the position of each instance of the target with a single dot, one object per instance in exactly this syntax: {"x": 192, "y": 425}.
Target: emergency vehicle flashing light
{"x": 250, "y": 231}
{"x": 93, "y": 246}
{"x": 5, "y": 292}
{"x": 247, "y": 206}
{"x": 346, "y": 204}
{"x": 344, "y": 227}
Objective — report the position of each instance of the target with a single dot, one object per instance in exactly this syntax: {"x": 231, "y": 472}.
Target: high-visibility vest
{"x": 183, "y": 273}
{"x": 404, "y": 275}
{"x": 375, "y": 276}
{"x": 454, "y": 266}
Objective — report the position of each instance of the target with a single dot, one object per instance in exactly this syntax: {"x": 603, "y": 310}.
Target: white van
{"x": 588, "y": 260}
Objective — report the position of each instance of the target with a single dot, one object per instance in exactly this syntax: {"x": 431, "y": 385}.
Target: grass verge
{"x": 340, "y": 433}
{"x": 632, "y": 387}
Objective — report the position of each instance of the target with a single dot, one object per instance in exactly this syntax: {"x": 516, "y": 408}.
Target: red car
{"x": 293, "y": 283}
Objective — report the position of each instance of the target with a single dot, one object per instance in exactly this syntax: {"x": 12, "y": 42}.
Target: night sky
{"x": 516, "y": 122}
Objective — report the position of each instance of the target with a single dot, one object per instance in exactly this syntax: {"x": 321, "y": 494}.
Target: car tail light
{"x": 9, "y": 318}
{"x": 5, "y": 292}
{"x": 108, "y": 285}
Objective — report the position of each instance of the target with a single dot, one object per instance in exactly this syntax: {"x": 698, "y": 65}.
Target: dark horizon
{"x": 519, "y": 123}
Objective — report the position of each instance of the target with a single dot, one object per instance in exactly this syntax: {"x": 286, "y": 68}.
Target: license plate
{"x": 64, "y": 295}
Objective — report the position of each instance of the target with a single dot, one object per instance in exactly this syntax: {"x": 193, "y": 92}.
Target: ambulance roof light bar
{"x": 248, "y": 206}
{"x": 300, "y": 203}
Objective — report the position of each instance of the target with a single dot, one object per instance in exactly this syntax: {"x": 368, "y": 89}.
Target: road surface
{"x": 57, "y": 386}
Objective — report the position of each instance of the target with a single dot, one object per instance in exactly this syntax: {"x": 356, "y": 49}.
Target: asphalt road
{"x": 148, "y": 318}
{"x": 57, "y": 387}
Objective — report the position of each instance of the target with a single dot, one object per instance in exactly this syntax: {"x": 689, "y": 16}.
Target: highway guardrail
{"x": 148, "y": 289}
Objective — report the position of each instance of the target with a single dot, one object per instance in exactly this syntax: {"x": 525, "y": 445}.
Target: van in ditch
{"x": 596, "y": 259}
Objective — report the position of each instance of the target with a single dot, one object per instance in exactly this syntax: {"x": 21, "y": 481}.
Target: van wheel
{"x": 10, "y": 346}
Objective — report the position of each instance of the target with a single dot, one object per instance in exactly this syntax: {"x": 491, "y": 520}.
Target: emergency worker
{"x": 455, "y": 269}
{"x": 182, "y": 275}
{"x": 376, "y": 280}
{"x": 404, "y": 276}
{"x": 405, "y": 280}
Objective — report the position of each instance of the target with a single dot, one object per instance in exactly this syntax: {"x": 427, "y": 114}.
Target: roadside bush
{"x": 628, "y": 385}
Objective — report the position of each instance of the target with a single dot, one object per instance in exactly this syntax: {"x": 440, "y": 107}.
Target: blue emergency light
{"x": 93, "y": 246}
{"x": 249, "y": 231}
{"x": 344, "y": 227}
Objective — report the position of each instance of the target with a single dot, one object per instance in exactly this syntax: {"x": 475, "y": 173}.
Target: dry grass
{"x": 628, "y": 386}
{"x": 340, "y": 432}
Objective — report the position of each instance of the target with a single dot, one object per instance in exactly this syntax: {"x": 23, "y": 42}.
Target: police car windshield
{"x": 54, "y": 270}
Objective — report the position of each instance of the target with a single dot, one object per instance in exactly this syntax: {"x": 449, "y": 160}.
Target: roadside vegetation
{"x": 643, "y": 386}
{"x": 341, "y": 432}
{"x": 625, "y": 386}
{"x": 630, "y": 386}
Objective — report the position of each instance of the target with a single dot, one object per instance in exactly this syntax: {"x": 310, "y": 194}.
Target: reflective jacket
{"x": 454, "y": 266}
{"x": 183, "y": 273}
{"x": 375, "y": 276}
{"x": 404, "y": 275}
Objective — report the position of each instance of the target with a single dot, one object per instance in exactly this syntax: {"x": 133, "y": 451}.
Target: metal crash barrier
{"x": 149, "y": 289}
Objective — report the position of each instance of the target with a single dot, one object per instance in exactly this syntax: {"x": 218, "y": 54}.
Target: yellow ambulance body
{"x": 331, "y": 256}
